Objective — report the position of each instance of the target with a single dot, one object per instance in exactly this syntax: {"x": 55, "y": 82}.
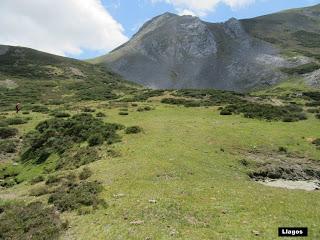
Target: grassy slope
{"x": 284, "y": 30}
{"x": 201, "y": 192}
{"x": 29, "y": 76}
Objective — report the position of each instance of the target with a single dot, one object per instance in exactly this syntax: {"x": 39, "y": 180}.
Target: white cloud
{"x": 203, "y": 7}
{"x": 183, "y": 12}
{"x": 59, "y": 26}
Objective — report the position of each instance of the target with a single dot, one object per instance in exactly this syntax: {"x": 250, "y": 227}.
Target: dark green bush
{"x": 141, "y": 96}
{"x": 88, "y": 110}
{"x": 85, "y": 173}
{"x": 100, "y": 115}
{"x": 8, "y": 146}
{"x": 313, "y": 104}
{"x": 315, "y": 96}
{"x": 40, "y": 109}
{"x": 3, "y": 123}
{"x": 53, "y": 179}
{"x": 313, "y": 110}
{"x": 76, "y": 196}
{"x": 283, "y": 149}
{"x": 307, "y": 39}
{"x": 144, "y": 109}
{"x": 133, "y": 130}
{"x": 72, "y": 159}
{"x": 58, "y": 134}
{"x": 61, "y": 114}
{"x": 33, "y": 221}
{"x": 37, "y": 179}
{"x": 225, "y": 112}
{"x": 16, "y": 121}
{"x": 123, "y": 113}
{"x": 303, "y": 69}
{"x": 6, "y": 132}
{"x": 316, "y": 142}
{"x": 95, "y": 139}
{"x": 25, "y": 112}
{"x": 269, "y": 112}
{"x": 9, "y": 172}
{"x": 8, "y": 183}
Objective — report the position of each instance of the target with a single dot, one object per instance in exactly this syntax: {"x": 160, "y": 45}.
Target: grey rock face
{"x": 3, "y": 49}
{"x": 173, "y": 51}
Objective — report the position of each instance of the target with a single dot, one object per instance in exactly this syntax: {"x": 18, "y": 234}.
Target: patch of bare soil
{"x": 288, "y": 184}
{"x": 283, "y": 170}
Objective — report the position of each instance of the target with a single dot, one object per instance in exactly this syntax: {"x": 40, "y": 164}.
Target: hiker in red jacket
{"x": 17, "y": 107}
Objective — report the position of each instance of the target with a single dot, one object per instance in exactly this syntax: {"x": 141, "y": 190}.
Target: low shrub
{"x": 244, "y": 162}
{"x": 133, "y": 130}
{"x": 73, "y": 159}
{"x": 88, "y": 110}
{"x": 225, "y": 112}
{"x": 316, "y": 142}
{"x": 39, "y": 191}
{"x": 302, "y": 69}
{"x": 7, "y": 132}
{"x": 40, "y": 109}
{"x": 53, "y": 179}
{"x": 8, "y": 146}
{"x": 85, "y": 173}
{"x": 95, "y": 139}
{"x": 315, "y": 96}
{"x": 61, "y": 115}
{"x": 37, "y": 179}
{"x": 9, "y": 171}
{"x": 313, "y": 104}
{"x": 58, "y": 135}
{"x": 16, "y": 121}
{"x": 144, "y": 109}
{"x": 290, "y": 113}
{"x": 123, "y": 113}
{"x": 100, "y": 115}
{"x": 33, "y": 221}
{"x": 283, "y": 149}
{"x": 77, "y": 195}
{"x": 313, "y": 110}
{"x": 8, "y": 183}
{"x": 25, "y": 112}
{"x": 3, "y": 123}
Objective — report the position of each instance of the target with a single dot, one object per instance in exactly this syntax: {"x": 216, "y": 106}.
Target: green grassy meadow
{"x": 181, "y": 178}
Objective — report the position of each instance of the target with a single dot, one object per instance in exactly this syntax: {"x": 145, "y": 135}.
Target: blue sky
{"x": 132, "y": 13}
{"x": 88, "y": 28}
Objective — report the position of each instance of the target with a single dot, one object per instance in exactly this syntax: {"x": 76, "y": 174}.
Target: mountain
{"x": 27, "y": 75}
{"x": 172, "y": 51}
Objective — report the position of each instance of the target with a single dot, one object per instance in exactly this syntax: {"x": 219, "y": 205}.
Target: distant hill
{"x": 27, "y": 75}
{"x": 172, "y": 51}
{"x": 292, "y": 30}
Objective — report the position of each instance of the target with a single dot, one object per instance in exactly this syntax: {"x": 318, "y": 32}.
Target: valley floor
{"x": 182, "y": 178}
